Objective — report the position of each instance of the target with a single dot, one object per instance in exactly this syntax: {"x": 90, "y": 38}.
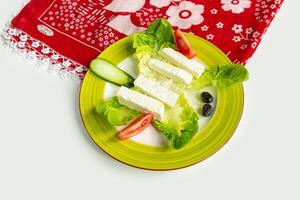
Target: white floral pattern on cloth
{"x": 220, "y": 25}
{"x": 237, "y": 28}
{"x": 185, "y": 14}
{"x": 162, "y": 3}
{"x": 90, "y": 26}
{"x": 36, "y": 51}
{"x": 146, "y": 16}
{"x": 264, "y": 9}
{"x": 247, "y": 36}
{"x": 130, "y": 6}
{"x": 76, "y": 19}
{"x": 204, "y": 28}
{"x": 236, "y": 6}
{"x": 210, "y": 36}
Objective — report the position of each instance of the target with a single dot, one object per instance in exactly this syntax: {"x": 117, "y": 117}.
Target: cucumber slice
{"x": 110, "y": 72}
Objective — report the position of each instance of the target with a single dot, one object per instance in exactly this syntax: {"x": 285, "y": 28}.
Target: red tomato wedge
{"x": 136, "y": 126}
{"x": 183, "y": 44}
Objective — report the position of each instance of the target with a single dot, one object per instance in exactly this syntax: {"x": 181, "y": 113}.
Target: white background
{"x": 45, "y": 152}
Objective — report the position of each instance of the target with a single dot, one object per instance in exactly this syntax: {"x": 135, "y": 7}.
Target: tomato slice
{"x": 183, "y": 44}
{"x": 136, "y": 126}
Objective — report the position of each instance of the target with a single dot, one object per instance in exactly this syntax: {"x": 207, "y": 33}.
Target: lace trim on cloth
{"x": 38, "y": 52}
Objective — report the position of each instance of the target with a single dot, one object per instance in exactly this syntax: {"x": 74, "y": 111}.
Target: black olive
{"x": 206, "y": 97}
{"x": 207, "y": 110}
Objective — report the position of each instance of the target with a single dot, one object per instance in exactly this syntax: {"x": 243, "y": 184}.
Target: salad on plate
{"x": 168, "y": 71}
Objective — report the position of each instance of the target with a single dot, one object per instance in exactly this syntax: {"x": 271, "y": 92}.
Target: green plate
{"x": 208, "y": 141}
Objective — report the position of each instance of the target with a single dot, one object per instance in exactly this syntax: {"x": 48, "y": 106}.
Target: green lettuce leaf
{"x": 143, "y": 41}
{"x": 222, "y": 76}
{"x": 115, "y": 113}
{"x": 158, "y": 35}
{"x": 163, "y": 31}
{"x": 179, "y": 125}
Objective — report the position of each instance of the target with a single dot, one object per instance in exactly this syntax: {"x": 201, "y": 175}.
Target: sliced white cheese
{"x": 170, "y": 71}
{"x": 154, "y": 90}
{"x": 176, "y": 58}
{"x": 140, "y": 102}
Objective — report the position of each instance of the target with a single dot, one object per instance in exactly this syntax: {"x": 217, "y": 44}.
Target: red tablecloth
{"x": 67, "y": 34}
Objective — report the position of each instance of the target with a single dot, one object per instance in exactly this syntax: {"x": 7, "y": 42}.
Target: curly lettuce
{"x": 179, "y": 125}
{"x": 158, "y": 35}
{"x": 115, "y": 113}
{"x": 222, "y": 76}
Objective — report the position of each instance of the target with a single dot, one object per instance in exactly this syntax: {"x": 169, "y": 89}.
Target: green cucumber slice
{"x": 110, "y": 72}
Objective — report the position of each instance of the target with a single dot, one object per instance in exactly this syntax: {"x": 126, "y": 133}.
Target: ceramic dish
{"x": 147, "y": 150}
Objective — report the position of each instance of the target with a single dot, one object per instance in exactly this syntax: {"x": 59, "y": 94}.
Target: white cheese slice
{"x": 140, "y": 102}
{"x": 176, "y": 58}
{"x": 170, "y": 71}
{"x": 154, "y": 90}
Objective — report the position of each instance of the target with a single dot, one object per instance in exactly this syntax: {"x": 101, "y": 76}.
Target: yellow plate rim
{"x": 172, "y": 168}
